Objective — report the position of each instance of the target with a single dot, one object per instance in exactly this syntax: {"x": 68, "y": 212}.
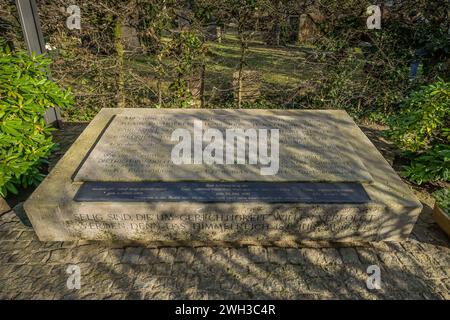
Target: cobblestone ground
{"x": 418, "y": 268}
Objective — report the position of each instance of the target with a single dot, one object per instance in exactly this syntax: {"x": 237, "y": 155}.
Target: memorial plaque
{"x": 138, "y": 148}
{"x": 226, "y": 192}
{"x": 127, "y": 178}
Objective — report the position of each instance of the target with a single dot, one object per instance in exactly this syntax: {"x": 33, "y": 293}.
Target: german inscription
{"x": 138, "y": 148}
{"x": 228, "y": 192}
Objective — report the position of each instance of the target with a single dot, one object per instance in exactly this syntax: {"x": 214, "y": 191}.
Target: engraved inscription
{"x": 205, "y": 224}
{"x": 229, "y": 192}
{"x": 138, "y": 148}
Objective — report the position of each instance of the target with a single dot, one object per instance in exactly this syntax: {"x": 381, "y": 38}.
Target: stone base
{"x": 390, "y": 214}
{"x": 4, "y": 207}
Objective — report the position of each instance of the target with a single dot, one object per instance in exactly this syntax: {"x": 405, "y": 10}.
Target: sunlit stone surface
{"x": 134, "y": 146}
{"x": 138, "y": 148}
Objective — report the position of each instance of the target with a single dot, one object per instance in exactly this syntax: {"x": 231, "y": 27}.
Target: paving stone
{"x": 367, "y": 256}
{"x": 277, "y": 255}
{"x": 350, "y": 256}
{"x": 257, "y": 254}
{"x": 295, "y": 256}
{"x": 27, "y": 236}
{"x": 132, "y": 255}
{"x": 185, "y": 254}
{"x": 149, "y": 256}
{"x": 167, "y": 255}
{"x": 59, "y": 256}
{"x": 220, "y": 256}
{"x": 332, "y": 256}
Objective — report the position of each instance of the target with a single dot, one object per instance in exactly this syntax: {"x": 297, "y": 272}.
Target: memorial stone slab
{"x": 119, "y": 181}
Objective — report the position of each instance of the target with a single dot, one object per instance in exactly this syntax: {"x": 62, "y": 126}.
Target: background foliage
{"x": 310, "y": 54}
{"x": 175, "y": 51}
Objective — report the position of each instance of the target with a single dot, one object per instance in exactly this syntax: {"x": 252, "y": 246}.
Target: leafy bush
{"x": 25, "y": 140}
{"x": 424, "y": 120}
{"x": 184, "y": 51}
{"x": 430, "y": 166}
{"x": 442, "y": 197}
{"x": 422, "y": 130}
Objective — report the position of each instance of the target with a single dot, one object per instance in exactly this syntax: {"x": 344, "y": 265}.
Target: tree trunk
{"x": 278, "y": 34}
{"x": 219, "y": 34}
{"x": 118, "y": 40}
{"x": 202, "y": 86}
{"x": 159, "y": 93}
{"x": 241, "y": 67}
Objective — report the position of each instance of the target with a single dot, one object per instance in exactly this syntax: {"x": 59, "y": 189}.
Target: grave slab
{"x": 118, "y": 182}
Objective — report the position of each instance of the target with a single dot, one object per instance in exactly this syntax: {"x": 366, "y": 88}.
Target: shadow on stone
{"x": 21, "y": 214}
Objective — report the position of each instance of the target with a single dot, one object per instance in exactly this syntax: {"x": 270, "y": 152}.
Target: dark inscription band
{"x": 213, "y": 192}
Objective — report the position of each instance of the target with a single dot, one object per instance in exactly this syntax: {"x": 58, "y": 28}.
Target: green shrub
{"x": 430, "y": 166}
{"x": 184, "y": 51}
{"x": 424, "y": 119}
{"x": 442, "y": 197}
{"x": 421, "y": 129}
{"x": 25, "y": 140}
